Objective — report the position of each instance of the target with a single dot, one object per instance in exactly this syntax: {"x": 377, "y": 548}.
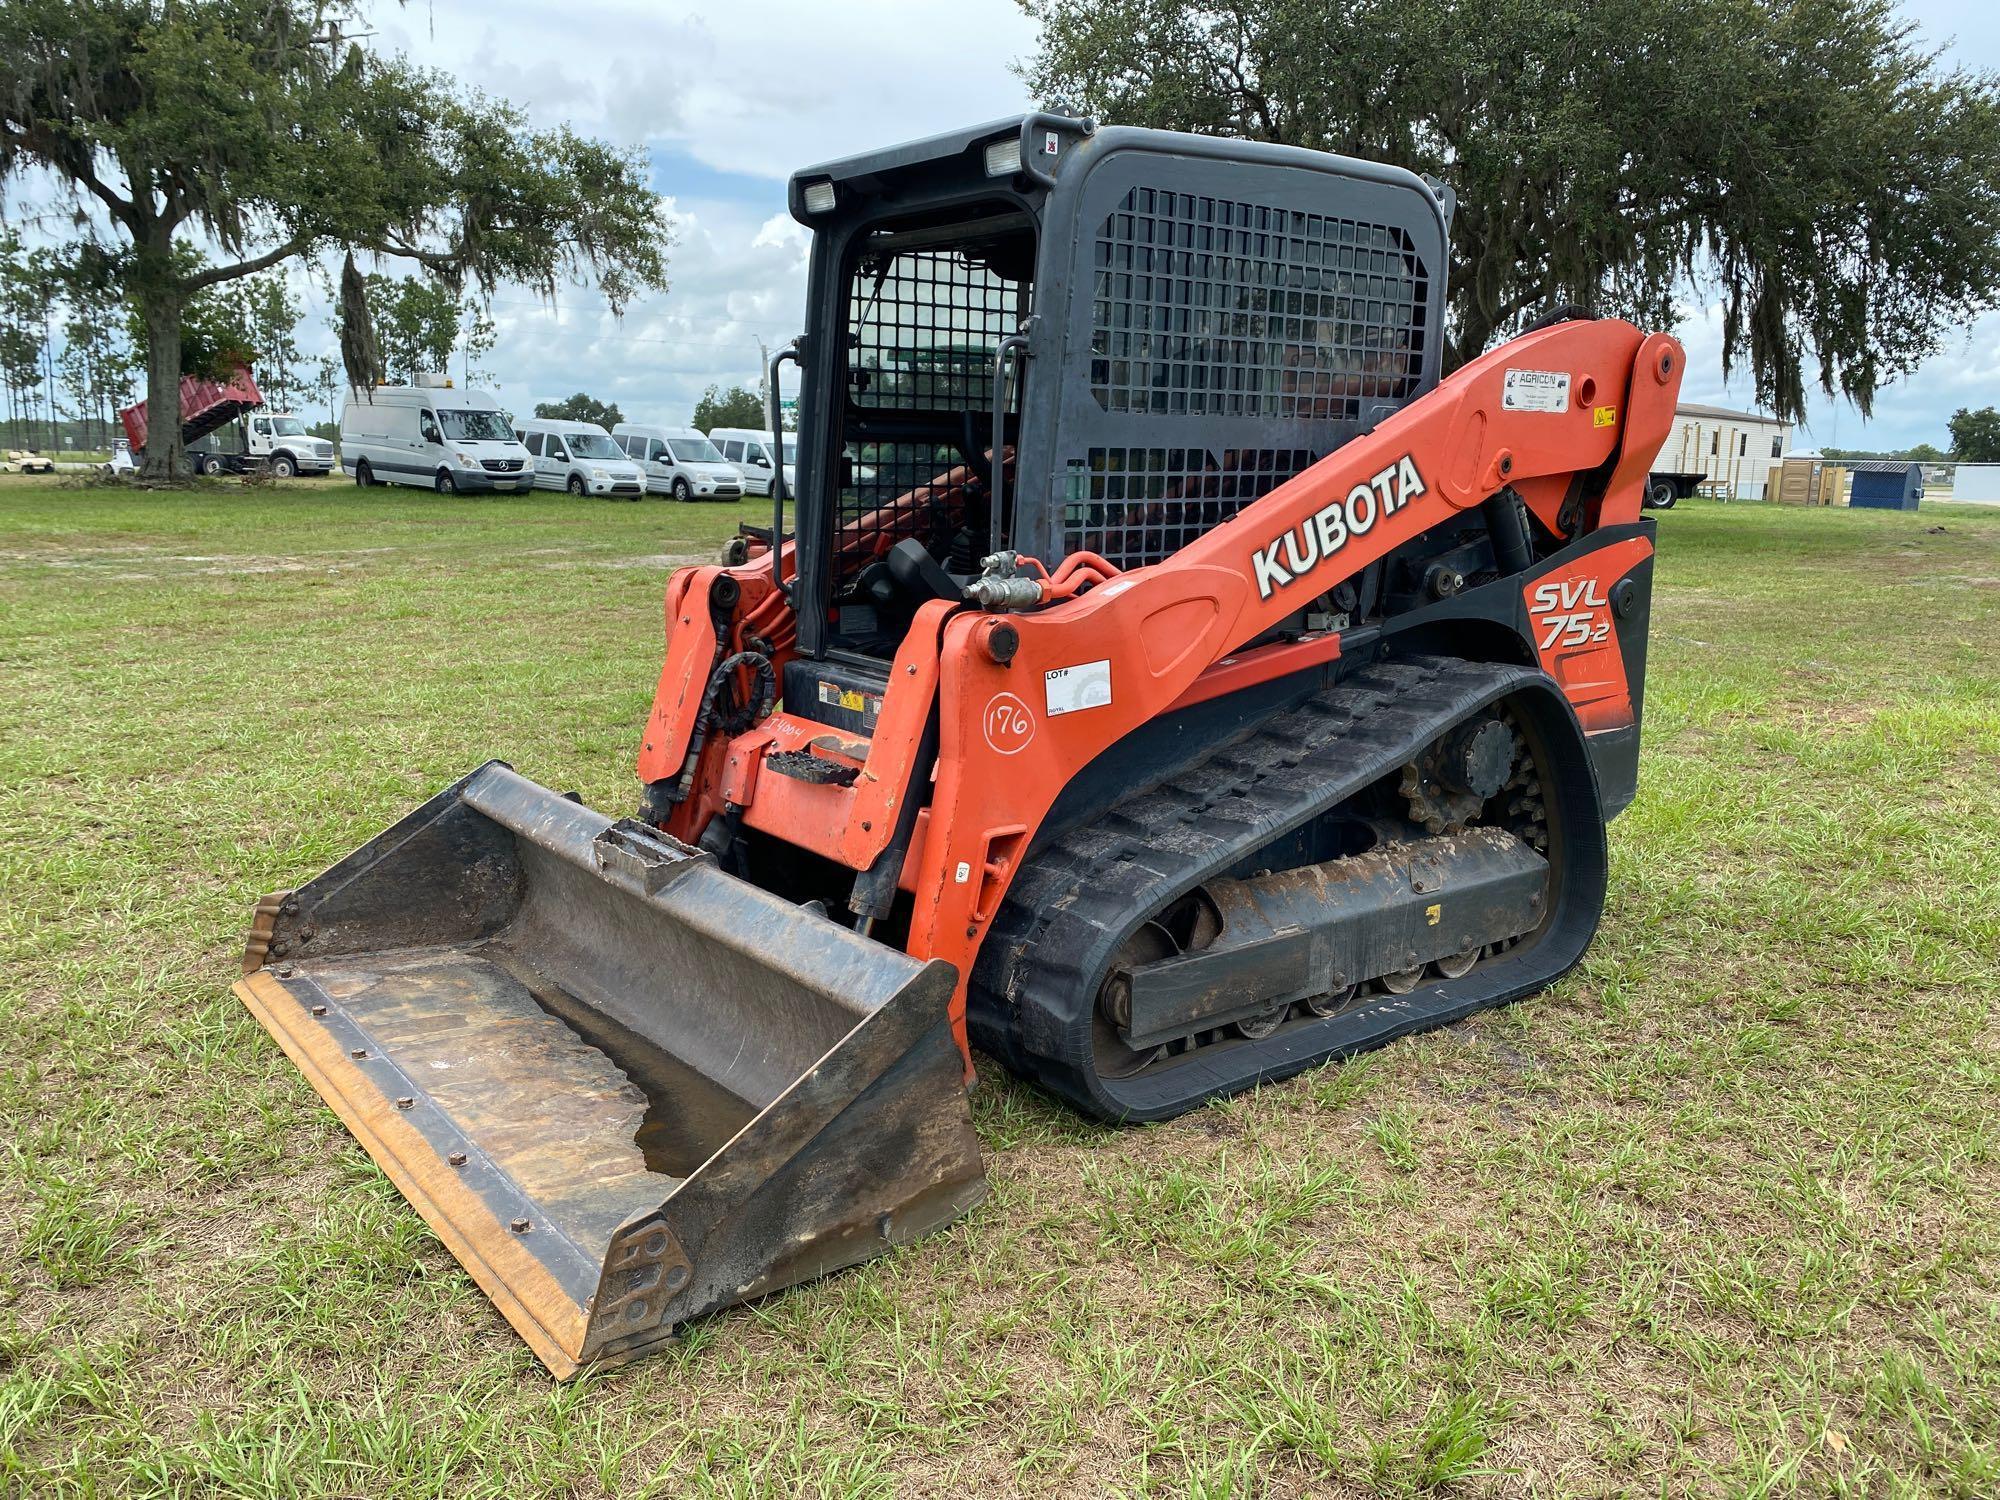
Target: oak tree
{"x": 1810, "y": 164}
{"x": 257, "y": 132}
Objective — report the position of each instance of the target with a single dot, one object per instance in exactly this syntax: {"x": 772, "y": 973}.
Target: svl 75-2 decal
{"x": 1569, "y": 612}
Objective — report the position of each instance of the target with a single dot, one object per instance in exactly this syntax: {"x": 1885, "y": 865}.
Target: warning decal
{"x": 868, "y": 705}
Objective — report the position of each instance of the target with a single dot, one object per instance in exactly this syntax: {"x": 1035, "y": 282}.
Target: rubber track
{"x": 1096, "y": 882}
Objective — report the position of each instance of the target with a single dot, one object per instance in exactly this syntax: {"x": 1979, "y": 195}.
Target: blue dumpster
{"x": 1885, "y": 484}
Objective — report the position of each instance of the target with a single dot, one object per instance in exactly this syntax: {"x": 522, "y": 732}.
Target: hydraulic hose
{"x": 733, "y": 720}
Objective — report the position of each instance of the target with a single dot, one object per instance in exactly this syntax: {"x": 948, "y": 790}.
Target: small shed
{"x": 1885, "y": 484}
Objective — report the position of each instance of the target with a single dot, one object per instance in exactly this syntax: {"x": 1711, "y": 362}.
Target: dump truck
{"x": 223, "y": 437}
{"x": 263, "y": 442}
{"x": 208, "y": 403}
{"x": 1667, "y": 487}
{"x": 1169, "y": 679}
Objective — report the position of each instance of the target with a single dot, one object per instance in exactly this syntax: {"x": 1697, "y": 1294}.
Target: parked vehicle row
{"x": 461, "y": 441}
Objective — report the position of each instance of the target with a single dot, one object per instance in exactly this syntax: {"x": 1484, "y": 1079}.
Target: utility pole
{"x": 49, "y": 380}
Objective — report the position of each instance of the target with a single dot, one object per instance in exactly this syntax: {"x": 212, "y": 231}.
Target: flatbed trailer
{"x": 1665, "y": 486}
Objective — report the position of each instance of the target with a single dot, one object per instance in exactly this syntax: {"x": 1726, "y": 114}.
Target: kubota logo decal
{"x": 1009, "y": 725}
{"x": 1314, "y": 540}
{"x": 1566, "y": 613}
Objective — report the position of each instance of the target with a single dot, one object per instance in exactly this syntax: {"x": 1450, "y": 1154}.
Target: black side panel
{"x": 1490, "y": 623}
{"x": 840, "y": 694}
{"x": 1616, "y": 751}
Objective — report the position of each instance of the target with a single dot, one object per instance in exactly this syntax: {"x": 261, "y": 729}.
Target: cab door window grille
{"x": 923, "y": 325}
{"x": 1211, "y": 307}
{"x": 923, "y": 328}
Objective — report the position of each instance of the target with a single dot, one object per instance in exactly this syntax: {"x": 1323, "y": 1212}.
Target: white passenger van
{"x": 430, "y": 434}
{"x": 750, "y": 451}
{"x": 679, "y": 461}
{"x": 579, "y": 457}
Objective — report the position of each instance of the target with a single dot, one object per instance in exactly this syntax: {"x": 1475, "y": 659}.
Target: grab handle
{"x": 774, "y": 413}
{"x": 1017, "y": 345}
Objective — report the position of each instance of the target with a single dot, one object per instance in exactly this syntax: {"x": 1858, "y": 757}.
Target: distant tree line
{"x": 65, "y": 353}
{"x": 71, "y": 346}
{"x": 418, "y": 327}
{"x": 1922, "y": 453}
{"x": 581, "y": 408}
{"x": 735, "y": 407}
{"x": 1975, "y": 439}
{"x": 1975, "y": 435}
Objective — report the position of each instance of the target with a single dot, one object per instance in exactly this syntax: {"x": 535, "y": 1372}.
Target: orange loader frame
{"x": 1168, "y": 635}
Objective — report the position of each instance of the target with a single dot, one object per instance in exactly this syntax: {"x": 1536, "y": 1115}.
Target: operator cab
{"x": 1227, "y": 313}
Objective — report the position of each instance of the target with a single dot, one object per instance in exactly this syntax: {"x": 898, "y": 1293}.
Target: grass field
{"x": 1716, "y": 1215}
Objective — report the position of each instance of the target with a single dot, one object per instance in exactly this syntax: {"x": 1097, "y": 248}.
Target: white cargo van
{"x": 679, "y": 461}
{"x": 450, "y": 440}
{"x": 750, "y": 451}
{"x": 579, "y": 457}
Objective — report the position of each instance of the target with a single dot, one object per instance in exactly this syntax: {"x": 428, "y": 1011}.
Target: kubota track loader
{"x": 1171, "y": 683}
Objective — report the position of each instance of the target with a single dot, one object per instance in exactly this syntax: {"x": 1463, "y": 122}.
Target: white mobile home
{"x": 1737, "y": 451}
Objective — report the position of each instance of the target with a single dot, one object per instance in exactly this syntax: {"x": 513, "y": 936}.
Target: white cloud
{"x": 761, "y": 89}
{"x": 732, "y": 98}
{"x": 736, "y": 281}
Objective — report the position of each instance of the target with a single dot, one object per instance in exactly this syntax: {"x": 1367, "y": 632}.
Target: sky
{"x": 728, "y": 99}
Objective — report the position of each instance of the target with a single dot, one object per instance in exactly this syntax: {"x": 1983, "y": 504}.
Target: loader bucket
{"x": 624, "y": 1087}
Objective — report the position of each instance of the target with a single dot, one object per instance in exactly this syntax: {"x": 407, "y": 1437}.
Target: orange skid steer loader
{"x": 1171, "y": 682}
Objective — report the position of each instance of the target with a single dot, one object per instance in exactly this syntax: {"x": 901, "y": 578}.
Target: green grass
{"x": 1717, "y": 1215}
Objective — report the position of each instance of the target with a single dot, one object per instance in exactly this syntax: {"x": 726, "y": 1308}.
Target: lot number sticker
{"x": 1068, "y": 689}
{"x": 1536, "y": 390}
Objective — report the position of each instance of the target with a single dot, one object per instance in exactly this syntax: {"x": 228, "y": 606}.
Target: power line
{"x": 543, "y": 307}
